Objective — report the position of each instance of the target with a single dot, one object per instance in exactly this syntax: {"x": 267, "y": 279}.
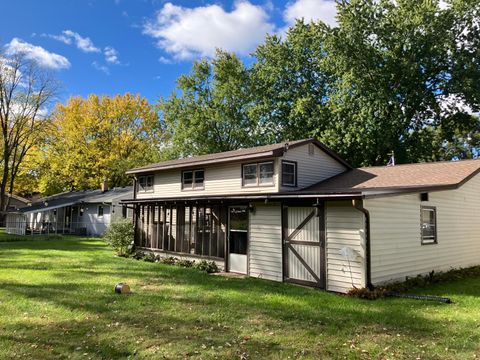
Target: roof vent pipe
{"x": 286, "y": 146}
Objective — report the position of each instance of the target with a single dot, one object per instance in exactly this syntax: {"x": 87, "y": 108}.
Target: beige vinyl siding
{"x": 265, "y": 242}
{"x": 344, "y": 228}
{"x": 219, "y": 180}
{"x": 311, "y": 169}
{"x": 396, "y": 237}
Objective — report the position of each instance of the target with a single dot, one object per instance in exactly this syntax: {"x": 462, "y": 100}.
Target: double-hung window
{"x": 145, "y": 183}
{"x": 289, "y": 173}
{"x": 193, "y": 179}
{"x": 258, "y": 174}
{"x": 428, "y": 220}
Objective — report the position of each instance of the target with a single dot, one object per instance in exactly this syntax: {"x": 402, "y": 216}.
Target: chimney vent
{"x": 104, "y": 186}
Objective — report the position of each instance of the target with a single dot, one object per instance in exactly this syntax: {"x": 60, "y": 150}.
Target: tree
{"x": 393, "y": 75}
{"x": 406, "y": 72}
{"x": 97, "y": 139}
{"x": 210, "y": 110}
{"x": 25, "y": 92}
{"x": 291, "y": 85}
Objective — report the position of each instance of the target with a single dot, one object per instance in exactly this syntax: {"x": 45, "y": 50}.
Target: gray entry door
{"x": 304, "y": 245}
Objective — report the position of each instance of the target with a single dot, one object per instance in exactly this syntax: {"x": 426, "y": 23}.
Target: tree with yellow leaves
{"x": 97, "y": 139}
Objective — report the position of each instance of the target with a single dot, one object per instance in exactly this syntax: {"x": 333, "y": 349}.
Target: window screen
{"x": 429, "y": 224}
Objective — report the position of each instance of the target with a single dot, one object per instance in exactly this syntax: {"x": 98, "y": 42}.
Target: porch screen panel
{"x": 166, "y": 227}
{"x": 193, "y": 229}
{"x": 199, "y": 231}
{"x": 142, "y": 225}
{"x": 187, "y": 230}
{"x": 179, "y": 228}
{"x": 214, "y": 217}
{"x": 171, "y": 229}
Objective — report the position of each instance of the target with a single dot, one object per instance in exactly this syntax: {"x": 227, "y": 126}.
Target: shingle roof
{"x": 443, "y": 174}
{"x": 76, "y": 197}
{"x": 235, "y": 155}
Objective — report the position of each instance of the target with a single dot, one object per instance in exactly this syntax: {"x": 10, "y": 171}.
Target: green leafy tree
{"x": 291, "y": 85}
{"x": 209, "y": 112}
{"x": 401, "y": 79}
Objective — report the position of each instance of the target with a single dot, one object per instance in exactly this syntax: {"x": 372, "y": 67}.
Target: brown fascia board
{"x": 384, "y": 192}
{"x": 324, "y": 148}
{"x": 272, "y": 153}
{"x": 148, "y": 169}
{"x": 400, "y": 190}
{"x": 273, "y": 196}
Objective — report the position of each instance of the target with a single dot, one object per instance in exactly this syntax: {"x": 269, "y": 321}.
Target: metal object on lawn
{"x": 420, "y": 297}
{"x": 122, "y": 288}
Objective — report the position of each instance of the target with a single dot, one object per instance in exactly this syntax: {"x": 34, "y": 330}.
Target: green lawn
{"x": 57, "y": 301}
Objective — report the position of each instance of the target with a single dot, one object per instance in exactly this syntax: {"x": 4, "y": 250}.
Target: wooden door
{"x": 304, "y": 245}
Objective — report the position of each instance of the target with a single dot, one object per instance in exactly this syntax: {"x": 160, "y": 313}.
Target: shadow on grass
{"x": 176, "y": 312}
{"x": 67, "y": 243}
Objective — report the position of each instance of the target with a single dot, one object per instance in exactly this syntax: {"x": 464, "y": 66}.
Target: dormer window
{"x": 145, "y": 183}
{"x": 258, "y": 174}
{"x": 193, "y": 179}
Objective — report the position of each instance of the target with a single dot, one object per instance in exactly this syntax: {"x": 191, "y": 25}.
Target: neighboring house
{"x": 297, "y": 212}
{"x": 86, "y": 212}
{"x": 15, "y": 203}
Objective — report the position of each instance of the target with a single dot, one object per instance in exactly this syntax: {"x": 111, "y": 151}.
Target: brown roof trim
{"x": 276, "y": 152}
{"x": 194, "y": 163}
{"x": 279, "y": 196}
{"x": 323, "y": 147}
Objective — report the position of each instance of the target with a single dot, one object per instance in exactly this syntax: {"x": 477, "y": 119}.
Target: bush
{"x": 149, "y": 257}
{"x": 207, "y": 266}
{"x": 120, "y": 236}
{"x": 138, "y": 255}
{"x": 170, "y": 260}
{"x": 185, "y": 263}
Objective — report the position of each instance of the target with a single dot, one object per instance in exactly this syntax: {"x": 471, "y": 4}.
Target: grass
{"x": 57, "y": 301}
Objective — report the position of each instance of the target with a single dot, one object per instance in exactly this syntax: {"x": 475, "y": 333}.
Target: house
{"x": 15, "y": 203}
{"x": 296, "y": 212}
{"x": 86, "y": 212}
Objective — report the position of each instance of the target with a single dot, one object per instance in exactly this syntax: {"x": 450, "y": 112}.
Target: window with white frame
{"x": 258, "y": 174}
{"x": 145, "y": 183}
{"x": 289, "y": 173}
{"x": 193, "y": 179}
{"x": 428, "y": 220}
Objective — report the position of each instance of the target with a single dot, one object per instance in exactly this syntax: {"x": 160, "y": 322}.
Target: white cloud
{"x": 83, "y": 43}
{"x": 62, "y": 38}
{"x": 111, "y": 55}
{"x": 164, "y": 60}
{"x": 43, "y": 57}
{"x": 186, "y": 33}
{"x": 69, "y": 36}
{"x": 101, "y": 67}
{"x": 309, "y": 10}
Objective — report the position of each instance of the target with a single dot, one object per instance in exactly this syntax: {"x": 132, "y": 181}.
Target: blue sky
{"x": 140, "y": 46}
